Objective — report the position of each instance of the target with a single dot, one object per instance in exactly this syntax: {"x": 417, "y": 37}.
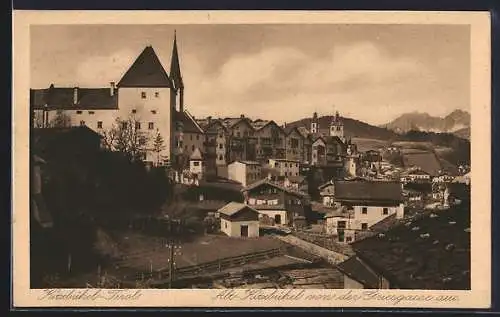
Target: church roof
{"x": 175, "y": 68}
{"x": 146, "y": 71}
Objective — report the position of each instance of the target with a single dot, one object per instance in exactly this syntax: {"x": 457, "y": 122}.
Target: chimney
{"x": 242, "y": 116}
{"x": 209, "y": 120}
{"x": 75, "y": 95}
{"x": 112, "y": 88}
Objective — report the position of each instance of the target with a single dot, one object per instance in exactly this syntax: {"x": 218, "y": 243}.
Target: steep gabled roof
{"x": 175, "y": 67}
{"x": 289, "y": 130}
{"x": 368, "y": 190}
{"x": 231, "y": 122}
{"x": 146, "y": 71}
{"x": 188, "y": 123}
{"x": 233, "y": 208}
{"x": 358, "y": 271}
{"x": 266, "y": 181}
{"x": 261, "y": 124}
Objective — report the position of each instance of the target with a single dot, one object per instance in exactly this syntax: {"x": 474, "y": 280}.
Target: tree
{"x": 125, "y": 137}
{"x": 158, "y": 146}
{"x": 61, "y": 120}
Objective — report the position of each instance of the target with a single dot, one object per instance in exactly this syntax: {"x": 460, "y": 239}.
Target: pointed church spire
{"x": 175, "y": 68}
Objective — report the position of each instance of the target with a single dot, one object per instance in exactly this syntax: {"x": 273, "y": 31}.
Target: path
{"x": 328, "y": 255}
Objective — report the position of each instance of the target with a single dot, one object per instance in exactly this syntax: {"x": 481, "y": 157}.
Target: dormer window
{"x": 157, "y": 94}
{"x": 78, "y": 112}
{"x": 153, "y": 111}
{"x": 134, "y": 111}
{"x": 143, "y": 94}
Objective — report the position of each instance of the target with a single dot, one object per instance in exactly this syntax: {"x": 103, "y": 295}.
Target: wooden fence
{"x": 143, "y": 279}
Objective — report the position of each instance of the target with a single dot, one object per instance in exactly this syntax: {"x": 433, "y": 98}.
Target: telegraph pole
{"x": 172, "y": 253}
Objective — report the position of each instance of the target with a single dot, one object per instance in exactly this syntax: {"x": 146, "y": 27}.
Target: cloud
{"x": 285, "y": 84}
{"x": 100, "y": 70}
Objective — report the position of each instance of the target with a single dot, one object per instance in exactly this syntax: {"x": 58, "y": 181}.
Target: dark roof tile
{"x": 146, "y": 71}
{"x": 368, "y": 190}
{"x": 358, "y": 271}
{"x": 417, "y": 254}
{"x": 189, "y": 125}
{"x": 62, "y": 98}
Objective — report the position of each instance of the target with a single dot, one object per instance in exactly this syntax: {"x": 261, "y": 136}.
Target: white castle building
{"x": 146, "y": 95}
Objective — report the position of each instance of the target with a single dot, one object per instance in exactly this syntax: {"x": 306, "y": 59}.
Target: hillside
{"x": 352, "y": 128}
{"x": 463, "y": 133}
{"x": 417, "y": 121}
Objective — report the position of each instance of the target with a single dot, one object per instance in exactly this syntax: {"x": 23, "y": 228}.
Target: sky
{"x": 372, "y": 73}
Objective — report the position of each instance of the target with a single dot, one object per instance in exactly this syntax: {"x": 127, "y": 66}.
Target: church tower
{"x": 177, "y": 98}
{"x": 176, "y": 77}
{"x": 315, "y": 123}
{"x": 337, "y": 127}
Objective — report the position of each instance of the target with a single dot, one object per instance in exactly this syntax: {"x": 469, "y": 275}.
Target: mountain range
{"x": 457, "y": 122}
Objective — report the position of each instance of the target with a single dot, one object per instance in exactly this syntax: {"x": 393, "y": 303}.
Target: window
{"x": 220, "y": 157}
{"x": 151, "y": 125}
{"x": 82, "y": 123}
{"x": 143, "y": 94}
{"x": 191, "y": 136}
{"x": 364, "y": 210}
{"x": 196, "y": 163}
{"x": 153, "y": 111}
{"x": 385, "y": 211}
{"x": 364, "y": 226}
{"x": 137, "y": 125}
{"x": 225, "y": 224}
{"x": 192, "y": 147}
{"x": 99, "y": 124}
{"x": 348, "y": 239}
{"x": 197, "y": 137}
{"x": 185, "y": 147}
{"x": 91, "y": 112}
{"x": 124, "y": 125}
{"x": 221, "y": 146}
{"x": 78, "y": 112}
{"x": 157, "y": 94}
{"x": 341, "y": 224}
{"x": 134, "y": 111}
{"x": 238, "y": 134}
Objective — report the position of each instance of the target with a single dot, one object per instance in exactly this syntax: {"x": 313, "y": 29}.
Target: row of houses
{"x": 149, "y": 102}
{"x": 348, "y": 206}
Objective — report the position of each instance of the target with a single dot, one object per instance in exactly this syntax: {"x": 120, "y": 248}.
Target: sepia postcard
{"x": 251, "y": 159}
